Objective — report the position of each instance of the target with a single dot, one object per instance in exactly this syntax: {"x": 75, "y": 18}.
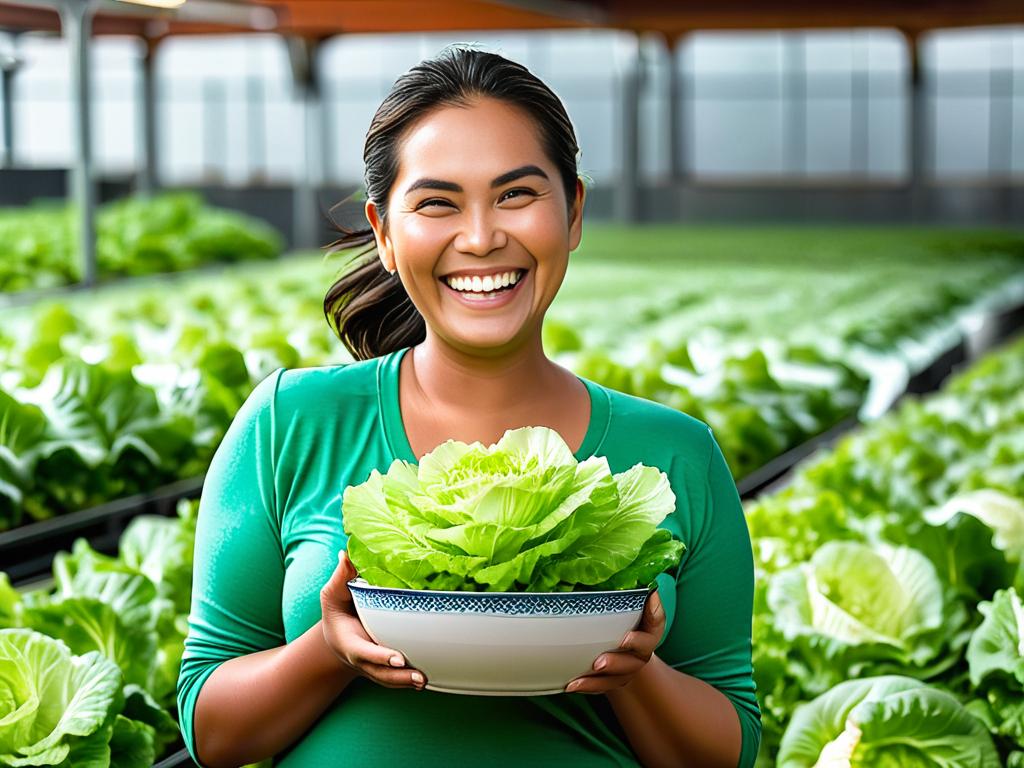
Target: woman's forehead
{"x": 476, "y": 143}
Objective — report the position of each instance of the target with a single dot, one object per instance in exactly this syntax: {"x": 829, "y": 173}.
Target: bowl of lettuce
{"x": 506, "y": 569}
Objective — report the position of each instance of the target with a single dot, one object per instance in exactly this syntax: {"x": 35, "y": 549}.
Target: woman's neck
{"x": 445, "y": 394}
{"x": 513, "y": 380}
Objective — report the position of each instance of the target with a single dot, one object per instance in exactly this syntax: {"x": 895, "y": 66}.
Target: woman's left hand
{"x": 617, "y": 668}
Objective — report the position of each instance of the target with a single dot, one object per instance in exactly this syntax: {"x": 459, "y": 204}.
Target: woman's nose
{"x": 480, "y": 233}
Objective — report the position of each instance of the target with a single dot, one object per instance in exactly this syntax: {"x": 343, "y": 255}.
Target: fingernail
{"x": 396, "y": 661}
{"x": 573, "y": 686}
{"x": 601, "y": 663}
{"x": 417, "y": 677}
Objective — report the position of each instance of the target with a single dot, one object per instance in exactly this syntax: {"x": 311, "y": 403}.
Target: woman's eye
{"x": 513, "y": 191}
{"x": 431, "y": 203}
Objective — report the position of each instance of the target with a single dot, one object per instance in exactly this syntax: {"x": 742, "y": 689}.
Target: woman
{"x": 474, "y": 205}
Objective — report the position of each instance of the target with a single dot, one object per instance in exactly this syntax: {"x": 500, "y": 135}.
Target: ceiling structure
{"x": 318, "y": 19}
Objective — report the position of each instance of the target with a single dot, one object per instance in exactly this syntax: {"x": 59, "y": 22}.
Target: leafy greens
{"x": 521, "y": 515}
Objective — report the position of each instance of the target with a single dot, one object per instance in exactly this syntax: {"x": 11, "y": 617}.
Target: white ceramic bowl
{"x": 498, "y": 643}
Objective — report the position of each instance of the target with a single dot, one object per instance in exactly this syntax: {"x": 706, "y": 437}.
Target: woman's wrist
{"x": 335, "y": 664}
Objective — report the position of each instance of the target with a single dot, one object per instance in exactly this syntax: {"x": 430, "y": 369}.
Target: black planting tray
{"x": 27, "y": 551}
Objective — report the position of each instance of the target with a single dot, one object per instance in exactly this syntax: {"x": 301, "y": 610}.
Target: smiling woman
{"x": 445, "y": 168}
{"x": 473, "y": 206}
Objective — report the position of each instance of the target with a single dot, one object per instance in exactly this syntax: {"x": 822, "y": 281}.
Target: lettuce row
{"x": 898, "y": 557}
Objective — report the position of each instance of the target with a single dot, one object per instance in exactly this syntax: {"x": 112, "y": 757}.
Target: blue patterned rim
{"x": 499, "y": 603}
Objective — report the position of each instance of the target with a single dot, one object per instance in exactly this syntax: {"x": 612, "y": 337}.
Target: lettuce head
{"x": 521, "y": 514}
{"x": 886, "y": 722}
{"x": 55, "y": 708}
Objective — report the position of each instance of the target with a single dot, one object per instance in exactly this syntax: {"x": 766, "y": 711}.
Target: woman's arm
{"x": 255, "y": 705}
{"x": 675, "y": 720}
{"x": 693, "y": 703}
{"x": 244, "y": 693}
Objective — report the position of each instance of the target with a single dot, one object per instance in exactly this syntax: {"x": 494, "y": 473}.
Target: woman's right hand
{"x": 346, "y": 636}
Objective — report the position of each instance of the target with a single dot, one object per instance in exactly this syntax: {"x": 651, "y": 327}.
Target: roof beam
{"x": 674, "y": 18}
{"x": 580, "y": 12}
{"x": 127, "y": 17}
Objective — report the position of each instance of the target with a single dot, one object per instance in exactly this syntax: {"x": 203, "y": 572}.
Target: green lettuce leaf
{"x": 886, "y": 722}
{"x": 54, "y": 704}
{"x": 997, "y": 646}
{"x": 522, "y": 514}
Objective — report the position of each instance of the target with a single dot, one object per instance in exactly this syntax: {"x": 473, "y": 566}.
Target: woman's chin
{"x": 482, "y": 335}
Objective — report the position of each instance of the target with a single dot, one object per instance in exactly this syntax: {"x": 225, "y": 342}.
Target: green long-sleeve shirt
{"x": 270, "y": 528}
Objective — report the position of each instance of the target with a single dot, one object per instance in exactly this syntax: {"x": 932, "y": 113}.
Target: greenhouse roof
{"x": 671, "y": 18}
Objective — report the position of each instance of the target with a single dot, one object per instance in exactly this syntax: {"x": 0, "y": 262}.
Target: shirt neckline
{"x": 388, "y": 367}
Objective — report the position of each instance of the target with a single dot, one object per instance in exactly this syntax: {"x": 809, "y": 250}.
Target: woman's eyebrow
{"x": 451, "y": 186}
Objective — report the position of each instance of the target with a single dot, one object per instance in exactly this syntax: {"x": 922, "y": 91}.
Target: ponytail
{"x": 368, "y": 308}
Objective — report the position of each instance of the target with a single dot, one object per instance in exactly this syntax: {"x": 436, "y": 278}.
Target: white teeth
{"x": 486, "y": 284}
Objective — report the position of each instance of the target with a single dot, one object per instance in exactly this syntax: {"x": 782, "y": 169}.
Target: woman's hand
{"x": 617, "y": 668}
{"x": 350, "y": 642}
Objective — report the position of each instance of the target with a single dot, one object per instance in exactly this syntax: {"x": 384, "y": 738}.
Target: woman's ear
{"x": 576, "y": 222}
{"x": 384, "y": 249}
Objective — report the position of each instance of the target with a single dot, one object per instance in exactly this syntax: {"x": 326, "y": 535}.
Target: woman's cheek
{"x": 540, "y": 232}
{"x": 423, "y": 240}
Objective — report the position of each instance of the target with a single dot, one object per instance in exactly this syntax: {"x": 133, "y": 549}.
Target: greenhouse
{"x": 488, "y": 382}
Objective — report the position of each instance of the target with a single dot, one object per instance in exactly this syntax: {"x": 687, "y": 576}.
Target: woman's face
{"x": 477, "y": 203}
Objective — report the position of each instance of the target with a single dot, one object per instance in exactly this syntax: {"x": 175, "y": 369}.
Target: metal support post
{"x": 676, "y": 124}
{"x": 918, "y": 133}
{"x": 256, "y": 136}
{"x": 76, "y": 24}
{"x": 627, "y": 202}
{"x": 148, "y": 182}
{"x": 9, "y": 64}
{"x": 302, "y": 54}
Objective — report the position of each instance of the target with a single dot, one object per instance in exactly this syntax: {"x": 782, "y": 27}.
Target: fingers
{"x": 618, "y": 663}
{"x": 350, "y": 641}
{"x": 383, "y": 665}
{"x": 336, "y": 592}
{"x": 343, "y": 561}
{"x": 643, "y": 640}
{"x": 378, "y": 663}
{"x": 653, "y": 617}
{"x": 394, "y": 678}
{"x": 362, "y": 651}
{"x": 613, "y": 669}
{"x": 597, "y": 683}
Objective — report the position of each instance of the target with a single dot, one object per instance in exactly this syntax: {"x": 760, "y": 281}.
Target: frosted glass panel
{"x": 961, "y": 136}
{"x": 738, "y": 138}
{"x": 828, "y": 137}
{"x": 727, "y": 52}
{"x": 887, "y": 138}
{"x": 750, "y": 100}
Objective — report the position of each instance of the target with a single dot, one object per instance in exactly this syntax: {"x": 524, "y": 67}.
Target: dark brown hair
{"x": 367, "y": 307}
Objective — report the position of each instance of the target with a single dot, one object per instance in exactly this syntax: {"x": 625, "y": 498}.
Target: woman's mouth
{"x": 487, "y": 291}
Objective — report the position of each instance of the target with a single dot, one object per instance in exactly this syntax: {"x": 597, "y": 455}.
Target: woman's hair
{"x": 367, "y": 307}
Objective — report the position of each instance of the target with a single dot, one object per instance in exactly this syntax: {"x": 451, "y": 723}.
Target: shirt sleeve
{"x": 710, "y": 635}
{"x": 238, "y": 570}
